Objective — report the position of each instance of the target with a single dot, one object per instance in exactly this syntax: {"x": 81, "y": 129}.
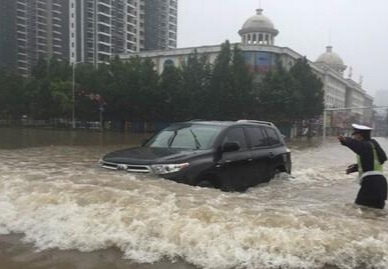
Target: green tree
{"x": 221, "y": 85}
{"x": 88, "y": 83}
{"x": 196, "y": 74}
{"x": 13, "y": 100}
{"x": 148, "y": 95}
{"x": 61, "y": 99}
{"x": 123, "y": 89}
{"x": 230, "y": 85}
{"x": 171, "y": 98}
{"x": 277, "y": 99}
{"x": 242, "y": 87}
{"x": 291, "y": 96}
{"x": 310, "y": 88}
{"x": 49, "y": 90}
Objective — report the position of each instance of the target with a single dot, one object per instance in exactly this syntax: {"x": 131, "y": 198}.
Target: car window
{"x": 236, "y": 135}
{"x": 272, "y": 137}
{"x": 185, "y": 137}
{"x": 256, "y": 136}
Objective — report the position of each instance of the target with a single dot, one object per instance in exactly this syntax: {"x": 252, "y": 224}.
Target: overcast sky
{"x": 357, "y": 30}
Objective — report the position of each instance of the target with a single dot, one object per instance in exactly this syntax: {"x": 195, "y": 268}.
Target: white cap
{"x": 361, "y": 127}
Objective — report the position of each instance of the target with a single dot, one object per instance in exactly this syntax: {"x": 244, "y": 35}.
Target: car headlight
{"x": 161, "y": 169}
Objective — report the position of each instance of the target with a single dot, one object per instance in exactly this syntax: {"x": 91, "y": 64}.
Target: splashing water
{"x": 57, "y": 197}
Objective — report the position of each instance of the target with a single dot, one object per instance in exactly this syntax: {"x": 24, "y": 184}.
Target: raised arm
{"x": 356, "y": 146}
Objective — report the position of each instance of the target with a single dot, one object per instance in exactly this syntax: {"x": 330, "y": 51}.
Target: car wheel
{"x": 275, "y": 173}
{"x": 205, "y": 184}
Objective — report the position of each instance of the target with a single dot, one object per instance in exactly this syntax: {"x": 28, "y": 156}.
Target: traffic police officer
{"x": 370, "y": 157}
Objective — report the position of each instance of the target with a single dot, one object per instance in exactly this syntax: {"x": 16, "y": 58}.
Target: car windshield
{"x": 190, "y": 136}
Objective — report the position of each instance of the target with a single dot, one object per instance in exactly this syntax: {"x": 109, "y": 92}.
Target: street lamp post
{"x": 73, "y": 123}
{"x": 73, "y": 99}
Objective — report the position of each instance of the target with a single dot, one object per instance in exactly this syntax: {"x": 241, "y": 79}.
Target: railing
{"x": 122, "y": 126}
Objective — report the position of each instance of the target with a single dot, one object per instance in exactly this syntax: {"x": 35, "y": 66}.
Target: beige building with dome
{"x": 258, "y": 35}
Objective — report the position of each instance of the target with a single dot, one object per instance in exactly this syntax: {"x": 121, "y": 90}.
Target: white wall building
{"x": 261, "y": 55}
{"x": 381, "y": 100}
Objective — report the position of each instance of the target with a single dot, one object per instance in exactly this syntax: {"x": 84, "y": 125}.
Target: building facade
{"x": 261, "y": 55}
{"x": 160, "y": 24}
{"x": 8, "y": 51}
{"x": 91, "y": 31}
{"x": 33, "y": 29}
{"x": 100, "y": 29}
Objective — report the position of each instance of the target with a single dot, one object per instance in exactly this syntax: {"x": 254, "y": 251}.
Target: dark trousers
{"x": 373, "y": 192}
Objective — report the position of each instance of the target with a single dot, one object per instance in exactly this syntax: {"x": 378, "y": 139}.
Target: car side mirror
{"x": 230, "y": 146}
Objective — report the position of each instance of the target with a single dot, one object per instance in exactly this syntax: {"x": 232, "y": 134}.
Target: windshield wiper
{"x": 197, "y": 144}
{"x": 172, "y": 138}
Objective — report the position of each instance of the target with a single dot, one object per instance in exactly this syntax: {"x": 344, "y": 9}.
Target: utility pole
{"x": 386, "y": 126}
{"x": 73, "y": 100}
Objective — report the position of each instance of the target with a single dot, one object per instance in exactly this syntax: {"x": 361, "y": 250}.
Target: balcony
{"x": 21, "y": 2}
{"x": 104, "y": 32}
{"x": 104, "y": 43}
{"x": 22, "y": 38}
{"x": 105, "y": 24}
{"x": 108, "y": 15}
{"x": 106, "y": 53}
{"x": 104, "y": 3}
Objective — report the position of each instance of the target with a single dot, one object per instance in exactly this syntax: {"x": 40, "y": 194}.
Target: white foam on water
{"x": 57, "y": 199}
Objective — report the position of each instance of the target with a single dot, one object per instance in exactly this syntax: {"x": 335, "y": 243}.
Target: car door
{"x": 275, "y": 153}
{"x": 233, "y": 167}
{"x": 260, "y": 155}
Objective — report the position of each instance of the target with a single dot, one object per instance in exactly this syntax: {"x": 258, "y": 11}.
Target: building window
{"x": 168, "y": 63}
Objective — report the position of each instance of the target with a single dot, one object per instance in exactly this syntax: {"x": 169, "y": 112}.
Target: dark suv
{"x": 229, "y": 155}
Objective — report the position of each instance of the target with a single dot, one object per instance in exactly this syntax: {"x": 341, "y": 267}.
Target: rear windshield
{"x": 188, "y": 136}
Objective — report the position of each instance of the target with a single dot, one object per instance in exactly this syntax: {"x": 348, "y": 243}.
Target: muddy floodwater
{"x": 59, "y": 210}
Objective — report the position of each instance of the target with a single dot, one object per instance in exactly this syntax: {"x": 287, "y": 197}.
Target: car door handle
{"x": 271, "y": 154}
{"x": 250, "y": 159}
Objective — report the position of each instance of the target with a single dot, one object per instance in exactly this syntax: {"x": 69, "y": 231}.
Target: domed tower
{"x": 332, "y": 59}
{"x": 258, "y": 30}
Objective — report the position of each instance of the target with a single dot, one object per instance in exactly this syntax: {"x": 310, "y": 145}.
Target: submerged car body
{"x": 229, "y": 155}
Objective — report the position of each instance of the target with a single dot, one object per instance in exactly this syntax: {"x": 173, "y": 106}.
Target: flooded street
{"x": 59, "y": 210}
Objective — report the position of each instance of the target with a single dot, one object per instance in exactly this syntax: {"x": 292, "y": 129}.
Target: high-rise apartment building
{"x": 160, "y": 24}
{"x": 39, "y": 32}
{"x": 100, "y": 29}
{"x": 90, "y": 31}
{"x": 8, "y": 50}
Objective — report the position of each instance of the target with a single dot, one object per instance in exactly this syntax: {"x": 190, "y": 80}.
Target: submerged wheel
{"x": 275, "y": 173}
{"x": 205, "y": 184}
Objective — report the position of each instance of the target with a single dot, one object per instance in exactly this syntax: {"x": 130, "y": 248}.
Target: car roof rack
{"x": 257, "y": 121}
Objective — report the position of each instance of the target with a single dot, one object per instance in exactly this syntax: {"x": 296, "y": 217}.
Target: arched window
{"x": 168, "y": 63}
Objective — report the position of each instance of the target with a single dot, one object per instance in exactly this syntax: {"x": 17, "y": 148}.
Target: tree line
{"x": 133, "y": 90}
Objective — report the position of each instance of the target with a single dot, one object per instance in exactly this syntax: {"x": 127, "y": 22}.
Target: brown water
{"x": 59, "y": 210}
